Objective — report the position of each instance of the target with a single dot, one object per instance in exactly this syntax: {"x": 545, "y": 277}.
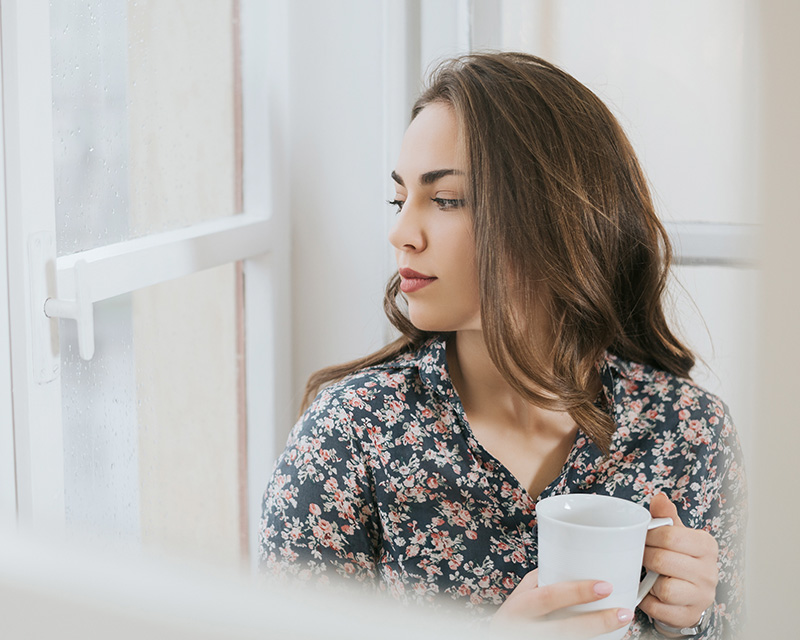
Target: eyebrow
{"x": 429, "y": 177}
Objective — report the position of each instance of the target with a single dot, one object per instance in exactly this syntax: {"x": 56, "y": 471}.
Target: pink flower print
{"x": 518, "y": 556}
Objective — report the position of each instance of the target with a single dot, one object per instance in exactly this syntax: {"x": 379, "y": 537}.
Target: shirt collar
{"x": 431, "y": 361}
{"x": 626, "y": 369}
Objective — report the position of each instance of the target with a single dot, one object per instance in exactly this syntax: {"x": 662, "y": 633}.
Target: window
{"x": 138, "y": 200}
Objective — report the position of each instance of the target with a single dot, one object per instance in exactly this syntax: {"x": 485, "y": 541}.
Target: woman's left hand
{"x": 687, "y": 561}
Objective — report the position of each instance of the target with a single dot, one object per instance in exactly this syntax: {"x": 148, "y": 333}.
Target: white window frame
{"x": 8, "y": 481}
{"x": 30, "y": 208}
{"x": 31, "y": 432}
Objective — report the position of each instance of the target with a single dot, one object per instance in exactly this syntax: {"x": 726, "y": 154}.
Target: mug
{"x": 584, "y": 536}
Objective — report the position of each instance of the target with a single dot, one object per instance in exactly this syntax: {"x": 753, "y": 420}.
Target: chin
{"x": 436, "y": 323}
{"x": 427, "y": 322}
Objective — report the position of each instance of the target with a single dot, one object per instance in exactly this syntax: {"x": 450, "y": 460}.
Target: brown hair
{"x": 564, "y": 221}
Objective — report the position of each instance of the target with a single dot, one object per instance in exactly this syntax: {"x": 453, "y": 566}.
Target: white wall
{"x": 774, "y": 520}
{"x": 337, "y": 186}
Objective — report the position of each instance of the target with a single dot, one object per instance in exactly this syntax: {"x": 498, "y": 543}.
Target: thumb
{"x": 662, "y": 507}
{"x": 529, "y": 581}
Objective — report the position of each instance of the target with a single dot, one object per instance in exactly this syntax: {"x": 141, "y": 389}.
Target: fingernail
{"x": 624, "y": 615}
{"x": 603, "y": 588}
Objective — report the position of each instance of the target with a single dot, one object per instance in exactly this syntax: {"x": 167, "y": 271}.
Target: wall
{"x": 338, "y": 189}
{"x": 774, "y": 522}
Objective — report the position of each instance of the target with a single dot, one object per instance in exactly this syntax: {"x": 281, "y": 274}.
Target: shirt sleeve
{"x": 715, "y": 495}
{"x": 319, "y": 519}
{"x": 726, "y": 520}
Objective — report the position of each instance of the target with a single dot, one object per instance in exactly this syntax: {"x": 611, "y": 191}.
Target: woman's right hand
{"x": 529, "y": 604}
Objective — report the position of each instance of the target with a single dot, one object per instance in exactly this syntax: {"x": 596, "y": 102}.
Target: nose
{"x": 407, "y": 232}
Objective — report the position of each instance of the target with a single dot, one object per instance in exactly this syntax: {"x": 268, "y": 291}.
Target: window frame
{"x": 31, "y": 431}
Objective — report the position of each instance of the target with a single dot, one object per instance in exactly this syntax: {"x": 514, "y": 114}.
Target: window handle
{"x": 81, "y": 310}
{"x": 70, "y": 285}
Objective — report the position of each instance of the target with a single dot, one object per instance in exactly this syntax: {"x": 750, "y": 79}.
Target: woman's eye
{"x": 397, "y": 203}
{"x": 448, "y": 203}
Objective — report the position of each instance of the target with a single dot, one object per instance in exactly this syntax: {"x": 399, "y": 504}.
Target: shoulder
{"x": 674, "y": 436}
{"x": 667, "y": 407}
{"x": 641, "y": 384}
{"x": 358, "y": 390}
{"x": 377, "y": 393}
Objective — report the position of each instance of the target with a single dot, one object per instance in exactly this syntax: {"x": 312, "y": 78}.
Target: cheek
{"x": 470, "y": 285}
{"x": 469, "y": 262}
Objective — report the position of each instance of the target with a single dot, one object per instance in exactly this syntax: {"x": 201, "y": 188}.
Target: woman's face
{"x": 432, "y": 234}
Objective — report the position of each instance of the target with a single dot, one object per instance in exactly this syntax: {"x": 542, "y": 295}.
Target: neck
{"x": 475, "y": 376}
{"x": 484, "y": 391}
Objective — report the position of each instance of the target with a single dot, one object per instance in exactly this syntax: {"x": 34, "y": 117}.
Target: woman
{"x": 535, "y": 359}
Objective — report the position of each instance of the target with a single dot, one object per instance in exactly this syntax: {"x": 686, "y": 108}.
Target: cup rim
{"x": 551, "y": 503}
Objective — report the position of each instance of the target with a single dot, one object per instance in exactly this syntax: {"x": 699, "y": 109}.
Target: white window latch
{"x": 69, "y": 286}
{"x": 80, "y": 309}
{"x": 45, "y": 306}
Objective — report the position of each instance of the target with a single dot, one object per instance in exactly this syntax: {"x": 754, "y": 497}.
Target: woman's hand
{"x": 687, "y": 561}
{"x": 529, "y": 604}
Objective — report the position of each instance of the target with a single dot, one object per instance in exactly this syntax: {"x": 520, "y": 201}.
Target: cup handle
{"x": 652, "y": 576}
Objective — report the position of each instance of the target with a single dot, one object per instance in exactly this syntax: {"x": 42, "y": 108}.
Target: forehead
{"x": 431, "y": 142}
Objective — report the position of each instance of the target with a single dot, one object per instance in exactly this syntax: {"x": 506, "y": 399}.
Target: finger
{"x": 674, "y": 591}
{"x": 585, "y": 625}
{"x": 662, "y": 507}
{"x": 673, "y": 615}
{"x": 550, "y": 598}
{"x": 678, "y": 565}
{"x": 693, "y": 542}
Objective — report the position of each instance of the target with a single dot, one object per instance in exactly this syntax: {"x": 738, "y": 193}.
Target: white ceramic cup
{"x": 585, "y": 536}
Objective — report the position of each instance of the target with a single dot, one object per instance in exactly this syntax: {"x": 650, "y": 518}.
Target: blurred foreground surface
{"x": 70, "y": 592}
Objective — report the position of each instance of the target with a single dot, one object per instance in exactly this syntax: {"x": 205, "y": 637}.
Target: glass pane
{"x": 144, "y": 117}
{"x": 146, "y": 140}
{"x": 152, "y": 430}
{"x": 100, "y": 422}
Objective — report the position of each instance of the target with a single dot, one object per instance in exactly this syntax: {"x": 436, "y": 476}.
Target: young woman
{"x": 535, "y": 359}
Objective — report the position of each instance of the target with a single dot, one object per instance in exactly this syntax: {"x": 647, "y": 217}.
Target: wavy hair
{"x": 564, "y": 223}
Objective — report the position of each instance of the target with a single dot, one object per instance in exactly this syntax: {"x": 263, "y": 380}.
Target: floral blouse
{"x": 382, "y": 481}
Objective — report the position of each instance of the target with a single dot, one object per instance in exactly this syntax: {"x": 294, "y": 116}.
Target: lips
{"x": 413, "y": 280}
